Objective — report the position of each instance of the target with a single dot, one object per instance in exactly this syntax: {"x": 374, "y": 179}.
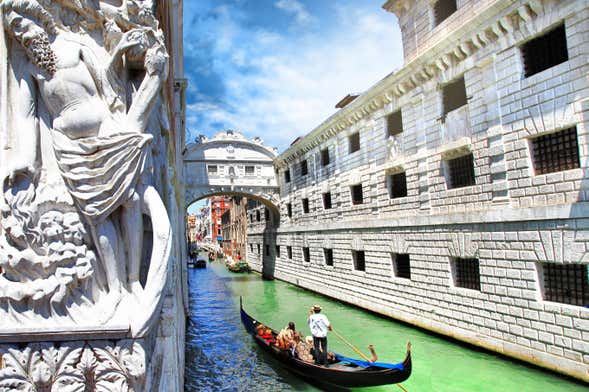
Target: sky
{"x": 276, "y": 68}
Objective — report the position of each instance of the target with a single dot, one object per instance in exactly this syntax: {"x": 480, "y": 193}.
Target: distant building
{"x": 219, "y": 204}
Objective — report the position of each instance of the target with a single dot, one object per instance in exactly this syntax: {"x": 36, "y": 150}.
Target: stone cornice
{"x": 497, "y": 19}
{"x": 232, "y": 137}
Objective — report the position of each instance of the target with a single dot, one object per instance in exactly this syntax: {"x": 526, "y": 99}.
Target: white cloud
{"x": 293, "y": 83}
{"x": 294, "y": 7}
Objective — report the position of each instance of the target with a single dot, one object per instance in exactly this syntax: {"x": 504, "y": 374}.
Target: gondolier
{"x": 319, "y": 325}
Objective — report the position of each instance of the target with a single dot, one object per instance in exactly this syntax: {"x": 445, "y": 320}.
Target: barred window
{"x": 466, "y": 273}
{"x": 289, "y": 210}
{"x": 328, "y": 256}
{"x": 212, "y": 169}
{"x": 566, "y": 283}
{"x": 249, "y": 170}
{"x": 454, "y": 95}
{"x": 397, "y": 185}
{"x": 327, "y": 200}
{"x": 394, "y": 123}
{"x": 278, "y": 251}
{"x": 258, "y": 215}
{"x": 357, "y": 197}
{"x": 289, "y": 252}
{"x": 359, "y": 260}
{"x": 252, "y": 248}
{"x": 305, "y": 205}
{"x": 461, "y": 172}
{"x": 545, "y": 51}
{"x": 443, "y": 9}
{"x": 325, "y": 157}
{"x": 266, "y": 214}
{"x": 306, "y": 255}
{"x": 258, "y": 245}
{"x": 304, "y": 168}
{"x": 354, "y": 142}
{"x": 556, "y": 152}
{"x": 287, "y": 175}
{"x": 401, "y": 265}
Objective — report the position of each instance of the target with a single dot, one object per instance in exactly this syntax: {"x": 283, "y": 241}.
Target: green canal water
{"x": 220, "y": 356}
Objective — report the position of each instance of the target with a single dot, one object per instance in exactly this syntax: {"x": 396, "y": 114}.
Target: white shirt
{"x": 318, "y": 324}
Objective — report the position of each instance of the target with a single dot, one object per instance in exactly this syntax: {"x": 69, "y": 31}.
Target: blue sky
{"x": 276, "y": 68}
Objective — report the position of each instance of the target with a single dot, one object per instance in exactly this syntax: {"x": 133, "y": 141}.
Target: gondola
{"x": 345, "y": 372}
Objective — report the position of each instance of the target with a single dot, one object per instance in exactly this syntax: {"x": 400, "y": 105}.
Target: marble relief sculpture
{"x": 80, "y": 85}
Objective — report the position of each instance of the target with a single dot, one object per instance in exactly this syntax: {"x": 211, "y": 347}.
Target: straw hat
{"x": 316, "y": 308}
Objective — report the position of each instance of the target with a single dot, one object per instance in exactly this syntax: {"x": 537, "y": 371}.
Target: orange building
{"x": 219, "y": 204}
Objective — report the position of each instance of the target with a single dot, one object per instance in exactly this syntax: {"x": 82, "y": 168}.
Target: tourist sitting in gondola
{"x": 286, "y": 338}
{"x": 265, "y": 333}
{"x": 304, "y": 349}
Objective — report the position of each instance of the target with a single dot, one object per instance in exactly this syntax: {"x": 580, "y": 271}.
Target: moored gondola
{"x": 345, "y": 372}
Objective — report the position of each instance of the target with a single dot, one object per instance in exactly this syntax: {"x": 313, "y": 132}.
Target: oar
{"x": 350, "y": 344}
{"x": 360, "y": 353}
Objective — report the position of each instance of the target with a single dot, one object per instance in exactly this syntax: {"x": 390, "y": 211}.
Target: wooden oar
{"x": 360, "y": 353}
{"x": 350, "y": 344}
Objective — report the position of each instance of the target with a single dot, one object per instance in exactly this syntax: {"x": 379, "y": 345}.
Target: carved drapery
{"x": 82, "y": 111}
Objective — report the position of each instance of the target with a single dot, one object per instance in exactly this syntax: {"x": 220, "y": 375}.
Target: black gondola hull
{"x": 372, "y": 376}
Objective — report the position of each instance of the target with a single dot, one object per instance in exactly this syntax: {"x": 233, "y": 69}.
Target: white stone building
{"x": 452, "y": 194}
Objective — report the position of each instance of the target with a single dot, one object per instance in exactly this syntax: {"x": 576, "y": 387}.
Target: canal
{"x": 220, "y": 356}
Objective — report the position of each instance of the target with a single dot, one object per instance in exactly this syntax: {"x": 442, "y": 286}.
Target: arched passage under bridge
{"x": 230, "y": 164}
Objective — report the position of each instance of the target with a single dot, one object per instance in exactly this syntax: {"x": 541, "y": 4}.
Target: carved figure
{"x": 68, "y": 91}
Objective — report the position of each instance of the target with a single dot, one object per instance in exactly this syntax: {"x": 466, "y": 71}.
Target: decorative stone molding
{"x": 357, "y": 243}
{"x": 541, "y": 120}
{"x": 327, "y": 243}
{"x": 561, "y": 246}
{"x": 399, "y": 245}
{"x": 462, "y": 245}
{"x": 456, "y": 149}
{"x": 74, "y": 366}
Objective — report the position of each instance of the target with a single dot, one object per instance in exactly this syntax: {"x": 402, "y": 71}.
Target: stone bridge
{"x": 230, "y": 164}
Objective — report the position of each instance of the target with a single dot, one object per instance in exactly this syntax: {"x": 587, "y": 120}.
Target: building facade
{"x": 219, "y": 205}
{"x": 452, "y": 195}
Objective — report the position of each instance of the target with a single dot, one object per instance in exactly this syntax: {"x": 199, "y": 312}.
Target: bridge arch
{"x": 230, "y": 164}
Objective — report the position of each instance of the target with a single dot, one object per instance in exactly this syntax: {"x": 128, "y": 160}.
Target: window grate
{"x": 546, "y": 51}
{"x": 304, "y": 168}
{"x": 566, "y": 283}
{"x": 359, "y": 260}
{"x": 454, "y": 95}
{"x": 357, "y": 197}
{"x": 278, "y": 251}
{"x": 467, "y": 273}
{"x": 325, "y": 157}
{"x": 289, "y": 252}
{"x": 461, "y": 172}
{"x": 556, "y": 151}
{"x": 287, "y": 176}
{"x": 289, "y": 210}
{"x": 327, "y": 200}
{"x": 257, "y": 215}
{"x": 443, "y": 9}
{"x": 328, "y": 256}
{"x": 402, "y": 266}
{"x": 306, "y": 206}
{"x": 394, "y": 123}
{"x": 249, "y": 170}
{"x": 397, "y": 185}
{"x": 306, "y": 255}
{"x": 354, "y": 142}
{"x": 266, "y": 214}
{"x": 258, "y": 245}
